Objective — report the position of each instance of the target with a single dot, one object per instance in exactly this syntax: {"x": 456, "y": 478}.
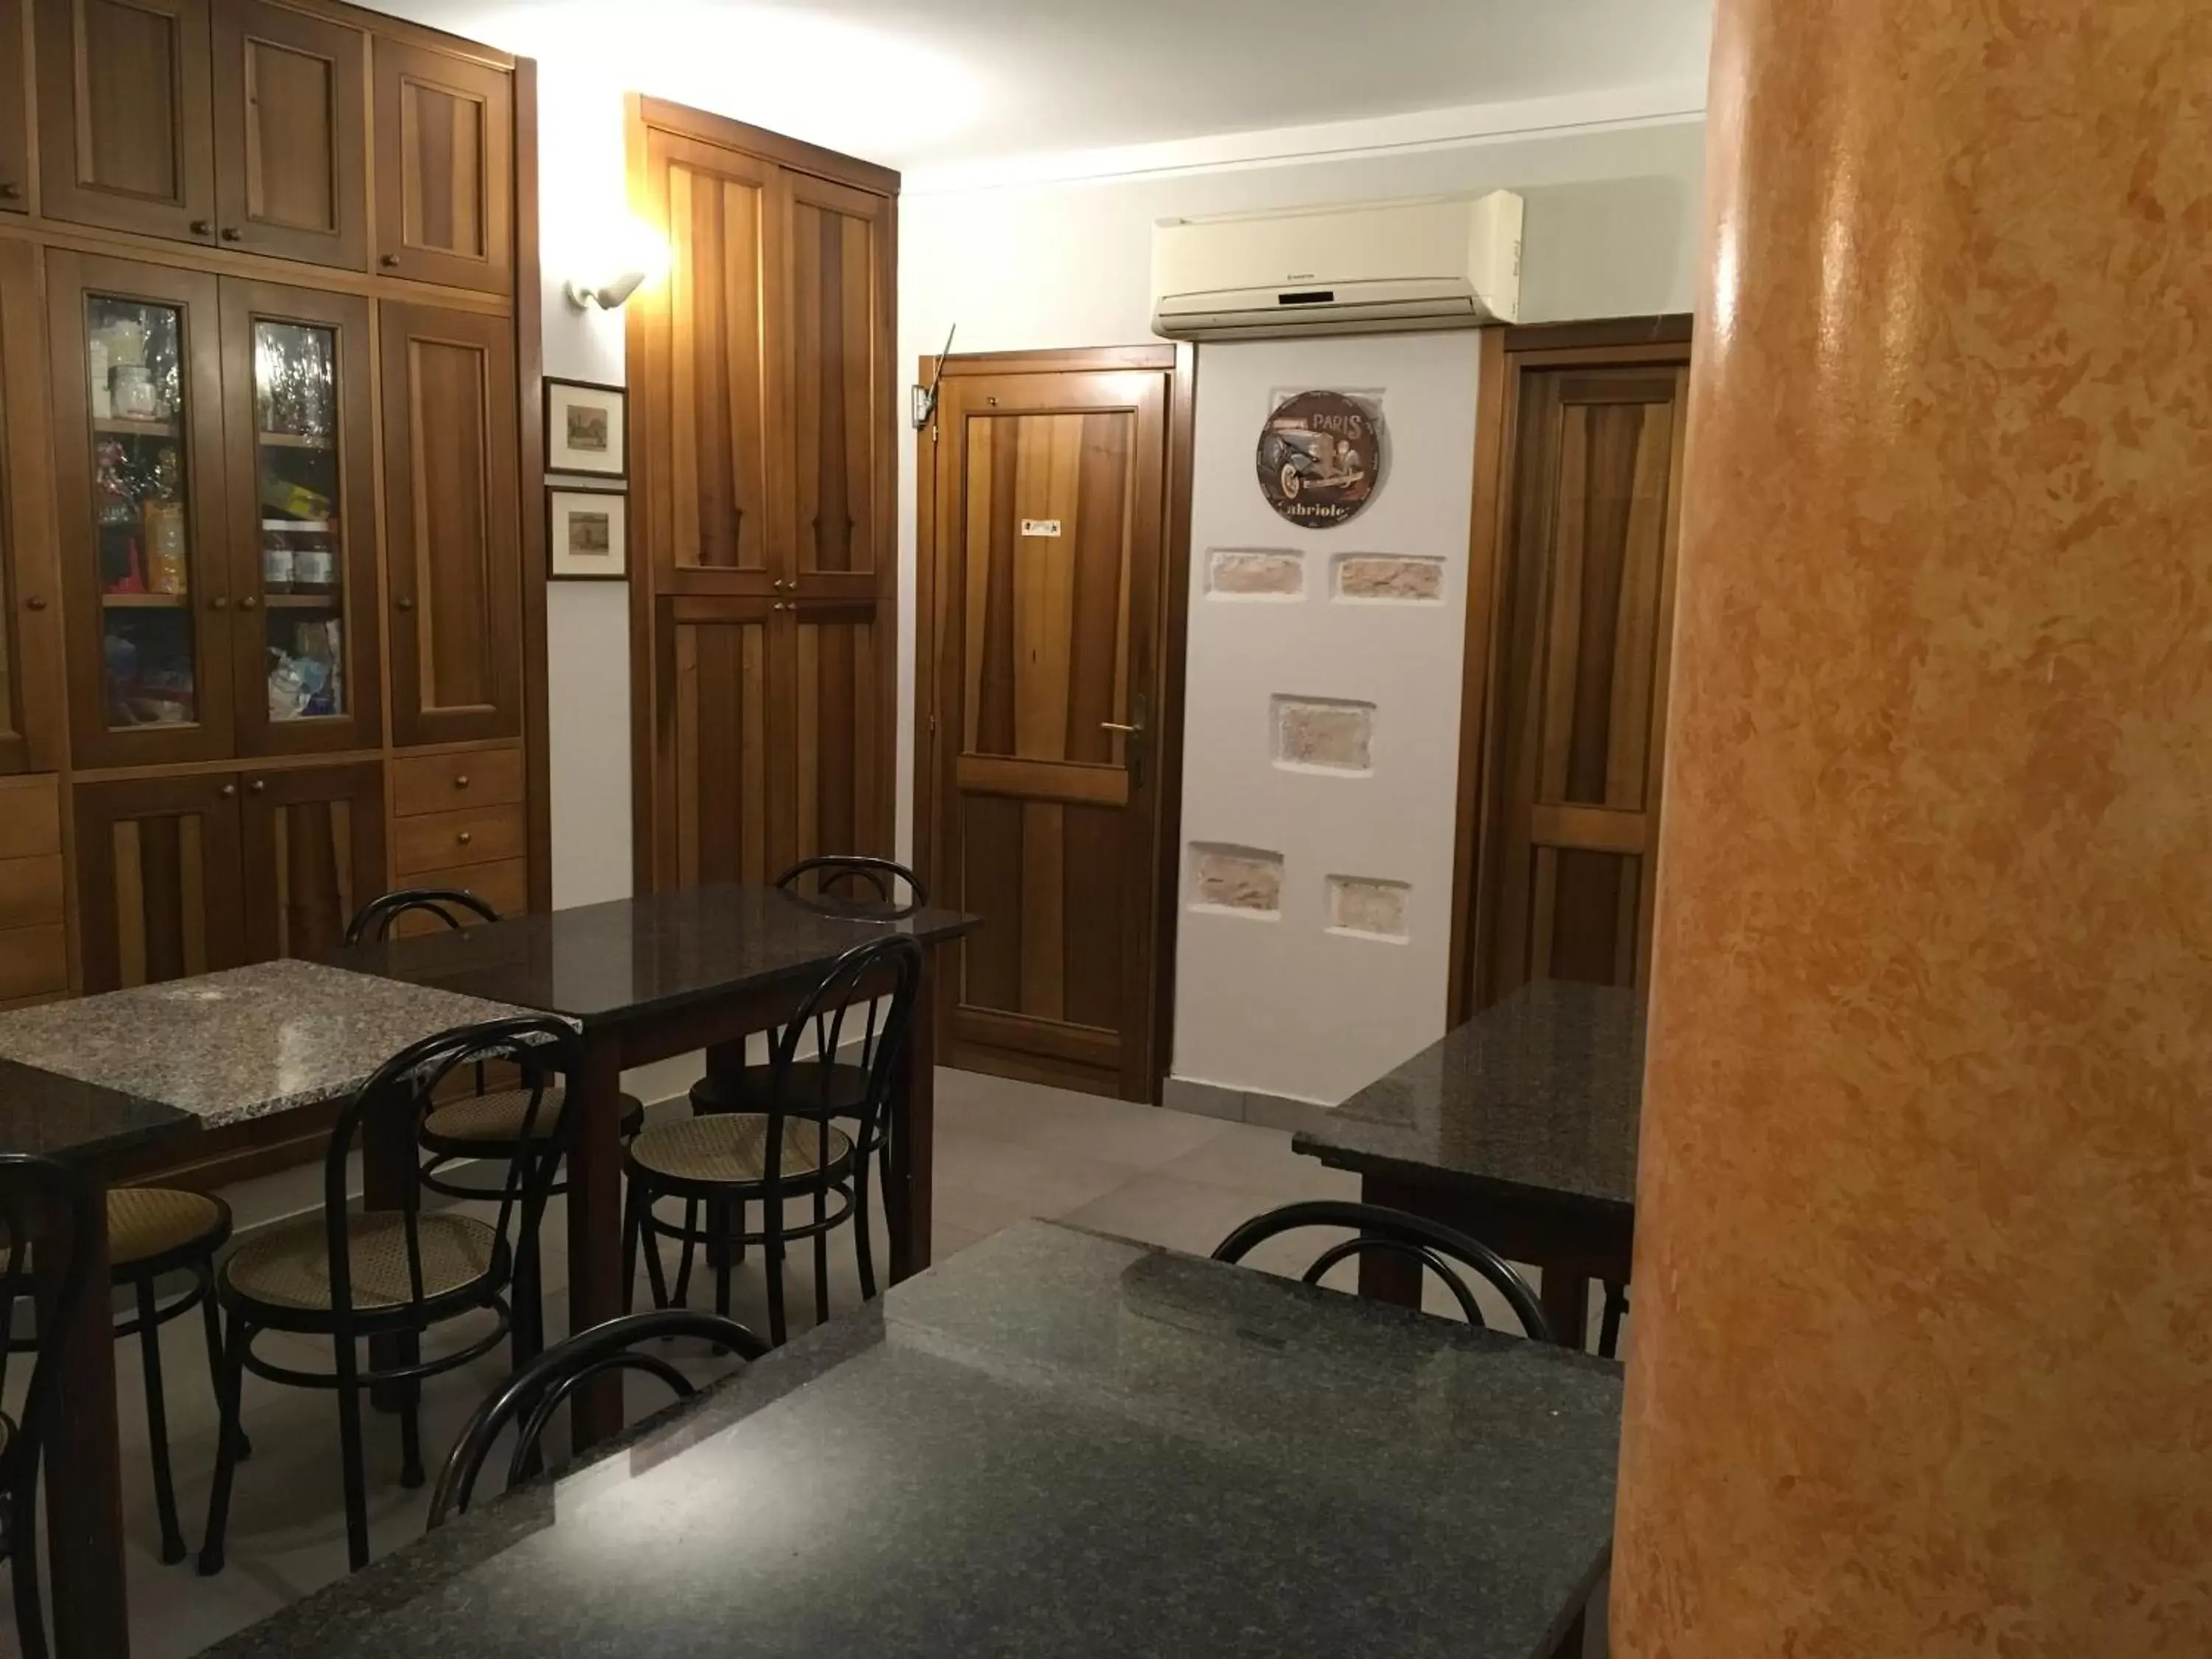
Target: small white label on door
{"x": 1040, "y": 526}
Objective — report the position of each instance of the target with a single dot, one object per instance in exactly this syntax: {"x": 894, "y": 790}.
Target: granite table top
{"x": 49, "y": 1115}
{"x": 1539, "y": 1095}
{"x": 1055, "y": 1443}
{"x": 641, "y": 957}
{"x": 243, "y": 1043}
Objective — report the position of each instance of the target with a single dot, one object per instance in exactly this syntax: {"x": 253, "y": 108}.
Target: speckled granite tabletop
{"x": 240, "y": 1044}
{"x": 1054, "y": 1445}
{"x": 1541, "y": 1094}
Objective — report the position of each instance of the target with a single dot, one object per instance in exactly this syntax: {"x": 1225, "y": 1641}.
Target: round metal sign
{"x": 1320, "y": 455}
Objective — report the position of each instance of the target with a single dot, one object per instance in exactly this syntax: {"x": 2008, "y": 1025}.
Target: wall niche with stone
{"x": 1369, "y": 906}
{"x": 1254, "y": 573}
{"x": 1323, "y": 734}
{"x": 1244, "y": 881}
{"x": 1389, "y": 578}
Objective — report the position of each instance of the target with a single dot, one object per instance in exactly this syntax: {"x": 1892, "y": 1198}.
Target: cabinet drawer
{"x": 505, "y": 886}
{"x": 440, "y": 841}
{"x": 445, "y": 783}
{"x": 30, "y": 891}
{"x": 30, "y": 818}
{"x": 33, "y": 960}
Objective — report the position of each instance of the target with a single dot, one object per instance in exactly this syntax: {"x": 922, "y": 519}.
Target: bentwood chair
{"x": 354, "y": 1275}
{"x": 49, "y": 1205}
{"x": 533, "y": 1395}
{"x": 792, "y": 1149}
{"x": 1376, "y": 1230}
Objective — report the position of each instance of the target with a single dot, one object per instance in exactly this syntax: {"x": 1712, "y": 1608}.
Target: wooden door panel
{"x": 452, "y": 539}
{"x": 290, "y": 134}
{"x": 837, "y": 249}
{"x": 445, "y": 168}
{"x": 725, "y": 812}
{"x": 709, "y": 396}
{"x": 158, "y": 894}
{"x": 14, "y": 113}
{"x": 1051, "y": 538}
{"x": 1588, "y": 606}
{"x": 126, "y": 131}
{"x": 838, "y": 741}
{"x": 313, "y": 843}
{"x": 30, "y": 685}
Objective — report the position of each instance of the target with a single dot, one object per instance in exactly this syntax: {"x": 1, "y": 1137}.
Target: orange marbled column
{"x": 1923, "y": 1356}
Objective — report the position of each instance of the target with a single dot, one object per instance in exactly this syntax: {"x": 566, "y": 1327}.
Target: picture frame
{"x": 587, "y": 429}
{"x": 586, "y": 534}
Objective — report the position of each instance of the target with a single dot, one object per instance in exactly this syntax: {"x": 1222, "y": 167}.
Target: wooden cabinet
{"x": 126, "y": 127}
{"x": 30, "y": 611}
{"x": 445, "y": 168}
{"x": 33, "y": 931}
{"x": 721, "y": 810}
{"x": 290, "y": 135}
{"x": 313, "y": 841}
{"x": 454, "y": 543}
{"x": 14, "y": 113}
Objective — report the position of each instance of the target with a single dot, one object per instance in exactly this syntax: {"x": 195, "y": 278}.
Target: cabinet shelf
{"x": 292, "y": 441}
{"x": 120, "y": 427}
{"x": 303, "y": 601}
{"x": 303, "y": 526}
{"x": 145, "y": 601}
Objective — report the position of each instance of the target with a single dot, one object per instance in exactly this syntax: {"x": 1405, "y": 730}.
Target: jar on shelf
{"x": 277, "y": 565}
{"x": 315, "y": 567}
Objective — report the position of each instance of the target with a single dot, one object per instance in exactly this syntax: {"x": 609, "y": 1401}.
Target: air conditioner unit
{"x": 1393, "y": 266}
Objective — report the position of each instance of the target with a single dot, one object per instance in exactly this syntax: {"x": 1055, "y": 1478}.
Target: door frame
{"x": 1179, "y": 362}
{"x": 1508, "y": 354}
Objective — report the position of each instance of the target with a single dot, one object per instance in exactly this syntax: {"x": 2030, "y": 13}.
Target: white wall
{"x": 1284, "y": 1004}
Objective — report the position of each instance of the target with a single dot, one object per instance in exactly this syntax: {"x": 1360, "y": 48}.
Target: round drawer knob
{"x": 218, "y": 603}
{"x": 461, "y": 781}
{"x": 248, "y": 603}
{"x": 390, "y": 262}
{"x": 227, "y": 791}
{"x": 402, "y": 603}
{"x": 259, "y": 786}
{"x": 465, "y": 838}
{"x": 34, "y": 602}
{"x": 232, "y": 233}
{"x": 11, "y": 193}
{"x": 202, "y": 227}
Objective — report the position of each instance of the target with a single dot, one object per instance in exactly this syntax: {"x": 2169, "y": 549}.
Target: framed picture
{"x": 587, "y": 532}
{"x": 587, "y": 429}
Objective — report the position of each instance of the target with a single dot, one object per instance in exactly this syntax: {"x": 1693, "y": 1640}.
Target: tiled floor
{"x": 1006, "y": 1151}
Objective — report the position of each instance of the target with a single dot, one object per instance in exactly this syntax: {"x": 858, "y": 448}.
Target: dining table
{"x": 1054, "y": 1443}
{"x": 1518, "y": 1128}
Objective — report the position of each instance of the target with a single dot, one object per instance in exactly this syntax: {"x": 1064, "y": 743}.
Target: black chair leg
{"x": 656, "y": 1271}
{"x": 411, "y": 1409}
{"x": 630, "y": 1230}
{"x": 229, "y": 1388}
{"x": 23, "y": 1564}
{"x": 822, "y": 1252}
{"x": 717, "y": 1222}
{"x": 1608, "y": 1330}
{"x": 157, "y": 1425}
{"x": 772, "y": 1225}
{"x": 683, "y": 1262}
{"x": 863, "y": 1251}
{"x": 350, "y": 1453}
{"x": 211, "y": 1312}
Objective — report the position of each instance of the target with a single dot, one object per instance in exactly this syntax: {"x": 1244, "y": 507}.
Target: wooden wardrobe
{"x": 762, "y": 408}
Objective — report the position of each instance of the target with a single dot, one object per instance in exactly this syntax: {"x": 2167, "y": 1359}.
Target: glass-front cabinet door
{"x": 137, "y": 405}
{"x": 302, "y": 540}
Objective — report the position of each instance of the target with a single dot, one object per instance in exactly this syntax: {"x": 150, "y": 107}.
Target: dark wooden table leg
{"x": 595, "y": 1224}
{"x": 1384, "y": 1275}
{"x": 1566, "y": 1296}
{"x": 1570, "y": 1644}
{"x": 909, "y": 1203}
{"x": 84, "y": 1478}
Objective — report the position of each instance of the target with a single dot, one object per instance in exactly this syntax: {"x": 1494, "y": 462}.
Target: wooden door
{"x": 290, "y": 134}
{"x": 706, "y": 408}
{"x": 1049, "y": 591}
{"x": 303, "y": 514}
{"x": 723, "y": 812}
{"x": 445, "y": 168}
{"x": 14, "y": 113}
{"x": 452, "y": 546}
{"x": 1585, "y": 618}
{"x": 126, "y": 131}
{"x": 141, "y": 510}
{"x": 157, "y": 871}
{"x": 30, "y": 685}
{"x": 837, "y": 251}
{"x": 314, "y": 845}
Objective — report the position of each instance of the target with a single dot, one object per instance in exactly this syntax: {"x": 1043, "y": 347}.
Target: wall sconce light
{"x": 608, "y": 298}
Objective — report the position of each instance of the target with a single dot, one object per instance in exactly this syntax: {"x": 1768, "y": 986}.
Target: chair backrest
{"x": 375, "y": 919}
{"x": 1378, "y": 1230}
{"x": 860, "y": 1015}
{"x": 852, "y": 873}
{"x": 543, "y": 1049}
{"x": 44, "y": 1206}
{"x": 533, "y": 1393}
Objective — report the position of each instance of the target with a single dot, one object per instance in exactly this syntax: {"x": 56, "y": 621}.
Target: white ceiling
{"x": 935, "y": 84}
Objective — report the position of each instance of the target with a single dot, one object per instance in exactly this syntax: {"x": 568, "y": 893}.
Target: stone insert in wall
{"x": 1368, "y": 906}
{"x": 1390, "y": 577}
{"x": 1244, "y": 573}
{"x": 1325, "y": 734}
{"x": 1248, "y": 880}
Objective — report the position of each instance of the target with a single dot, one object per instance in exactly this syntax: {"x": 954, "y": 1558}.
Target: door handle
{"x": 1117, "y": 726}
{"x": 1133, "y": 752}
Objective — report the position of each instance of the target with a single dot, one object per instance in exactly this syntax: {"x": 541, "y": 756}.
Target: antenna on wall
{"x": 925, "y": 398}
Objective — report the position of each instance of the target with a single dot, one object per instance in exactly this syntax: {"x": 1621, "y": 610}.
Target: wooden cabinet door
{"x": 837, "y": 251}
{"x": 445, "y": 168}
{"x": 31, "y": 694}
{"x": 313, "y": 844}
{"x": 712, "y": 503}
{"x": 836, "y": 748}
{"x": 1586, "y": 614}
{"x": 126, "y": 132}
{"x": 722, "y": 770}
{"x": 452, "y": 538}
{"x": 157, "y": 876}
{"x": 290, "y": 134}
{"x": 140, "y": 505}
{"x": 14, "y": 113}
{"x": 303, "y": 514}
